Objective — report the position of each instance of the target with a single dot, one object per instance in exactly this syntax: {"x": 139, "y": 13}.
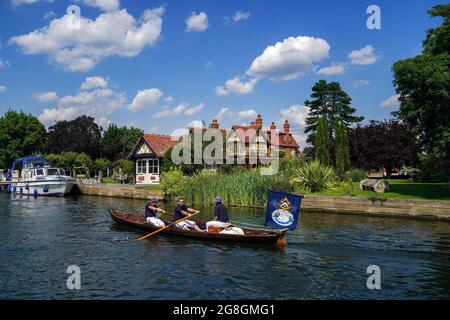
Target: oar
{"x": 166, "y": 227}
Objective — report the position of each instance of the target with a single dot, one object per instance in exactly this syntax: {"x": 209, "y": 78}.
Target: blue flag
{"x": 283, "y": 210}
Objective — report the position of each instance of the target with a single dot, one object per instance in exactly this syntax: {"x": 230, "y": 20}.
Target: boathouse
{"x": 147, "y": 155}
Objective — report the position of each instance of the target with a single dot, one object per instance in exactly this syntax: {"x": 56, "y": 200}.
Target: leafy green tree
{"x": 423, "y": 85}
{"x": 117, "y": 143}
{"x": 20, "y": 135}
{"x": 331, "y": 102}
{"x": 342, "y": 149}
{"x": 81, "y": 135}
{"x": 101, "y": 165}
{"x": 322, "y": 142}
{"x": 70, "y": 160}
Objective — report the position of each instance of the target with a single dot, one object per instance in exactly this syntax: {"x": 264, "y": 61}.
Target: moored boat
{"x": 250, "y": 235}
{"x": 33, "y": 176}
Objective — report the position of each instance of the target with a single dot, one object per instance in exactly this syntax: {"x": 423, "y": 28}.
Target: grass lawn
{"x": 109, "y": 180}
{"x": 154, "y": 187}
{"x": 400, "y": 189}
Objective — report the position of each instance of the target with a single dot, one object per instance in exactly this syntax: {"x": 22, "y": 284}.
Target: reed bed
{"x": 246, "y": 188}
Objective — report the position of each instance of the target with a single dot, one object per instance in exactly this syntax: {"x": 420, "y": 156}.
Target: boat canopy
{"x": 27, "y": 162}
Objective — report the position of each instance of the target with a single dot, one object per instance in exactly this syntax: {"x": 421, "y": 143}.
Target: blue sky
{"x": 159, "y": 65}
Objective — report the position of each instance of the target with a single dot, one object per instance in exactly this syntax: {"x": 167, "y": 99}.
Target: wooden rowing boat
{"x": 250, "y": 235}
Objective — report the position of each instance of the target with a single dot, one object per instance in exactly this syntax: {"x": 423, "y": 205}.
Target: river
{"x": 326, "y": 258}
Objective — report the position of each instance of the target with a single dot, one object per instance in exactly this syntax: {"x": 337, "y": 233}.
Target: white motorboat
{"x": 33, "y": 176}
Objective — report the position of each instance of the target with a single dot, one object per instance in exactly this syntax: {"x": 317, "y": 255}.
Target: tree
{"x": 331, "y": 102}
{"x": 382, "y": 145}
{"x": 81, "y": 135}
{"x": 342, "y": 149}
{"x": 20, "y": 135}
{"x": 423, "y": 85}
{"x": 117, "y": 143}
{"x": 322, "y": 142}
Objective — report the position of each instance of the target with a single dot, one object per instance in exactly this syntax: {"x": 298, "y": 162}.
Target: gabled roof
{"x": 161, "y": 143}
{"x": 157, "y": 142}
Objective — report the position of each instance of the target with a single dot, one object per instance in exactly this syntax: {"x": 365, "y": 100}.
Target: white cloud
{"x": 332, "y": 70}
{"x": 94, "y": 82}
{"x": 391, "y": 102}
{"x": 245, "y": 114}
{"x": 168, "y": 99}
{"x": 48, "y": 116}
{"x": 4, "y": 64}
{"x": 180, "y": 132}
{"x": 237, "y": 85}
{"x": 145, "y": 98}
{"x": 49, "y": 96}
{"x": 98, "y": 103}
{"x": 363, "y": 56}
{"x": 2, "y": 88}
{"x": 105, "y": 5}
{"x": 182, "y": 108}
{"x": 222, "y": 112}
{"x": 49, "y": 15}
{"x": 238, "y": 16}
{"x": 16, "y": 3}
{"x": 114, "y": 33}
{"x": 361, "y": 83}
{"x": 296, "y": 115}
{"x": 197, "y": 22}
{"x": 289, "y": 59}
{"x": 194, "y": 110}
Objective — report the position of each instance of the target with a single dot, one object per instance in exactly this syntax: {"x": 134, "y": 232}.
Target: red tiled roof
{"x": 290, "y": 143}
{"x": 160, "y": 143}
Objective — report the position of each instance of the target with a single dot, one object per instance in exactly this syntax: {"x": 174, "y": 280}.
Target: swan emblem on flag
{"x": 283, "y": 216}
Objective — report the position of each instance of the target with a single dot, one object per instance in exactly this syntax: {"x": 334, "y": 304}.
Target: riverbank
{"x": 395, "y": 208}
{"x": 404, "y": 208}
{"x": 119, "y": 191}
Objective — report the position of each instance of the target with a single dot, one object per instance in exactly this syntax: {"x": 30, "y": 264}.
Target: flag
{"x": 283, "y": 210}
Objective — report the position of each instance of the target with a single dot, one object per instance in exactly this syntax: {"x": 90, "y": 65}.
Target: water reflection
{"x": 326, "y": 257}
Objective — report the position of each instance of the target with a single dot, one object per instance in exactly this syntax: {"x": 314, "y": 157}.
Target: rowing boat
{"x": 251, "y": 235}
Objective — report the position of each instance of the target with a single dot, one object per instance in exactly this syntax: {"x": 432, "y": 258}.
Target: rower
{"x": 221, "y": 219}
{"x": 181, "y": 211}
{"x": 152, "y": 213}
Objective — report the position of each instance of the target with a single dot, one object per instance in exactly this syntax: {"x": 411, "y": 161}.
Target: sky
{"x": 163, "y": 66}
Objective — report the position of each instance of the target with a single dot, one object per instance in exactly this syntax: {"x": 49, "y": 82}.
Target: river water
{"x": 326, "y": 257}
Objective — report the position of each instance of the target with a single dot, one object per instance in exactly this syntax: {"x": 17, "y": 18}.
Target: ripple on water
{"x": 326, "y": 258}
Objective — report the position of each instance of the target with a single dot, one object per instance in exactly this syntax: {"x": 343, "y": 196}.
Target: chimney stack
{"x": 273, "y": 126}
{"x": 214, "y": 124}
{"x": 286, "y": 131}
{"x": 259, "y": 121}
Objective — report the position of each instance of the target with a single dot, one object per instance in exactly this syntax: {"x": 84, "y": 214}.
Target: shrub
{"x": 314, "y": 176}
{"x": 126, "y": 165}
{"x": 174, "y": 183}
{"x": 356, "y": 175}
{"x": 101, "y": 165}
{"x": 431, "y": 169}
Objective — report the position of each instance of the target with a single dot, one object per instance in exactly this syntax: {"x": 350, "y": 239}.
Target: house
{"x": 239, "y": 136}
{"x": 147, "y": 155}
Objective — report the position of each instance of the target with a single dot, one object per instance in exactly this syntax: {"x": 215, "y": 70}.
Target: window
{"x": 141, "y": 166}
{"x": 39, "y": 172}
{"x": 52, "y": 172}
{"x": 153, "y": 166}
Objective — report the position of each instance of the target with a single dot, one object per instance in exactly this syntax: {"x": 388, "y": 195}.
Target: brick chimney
{"x": 214, "y": 124}
{"x": 259, "y": 121}
{"x": 286, "y": 131}
{"x": 273, "y": 126}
